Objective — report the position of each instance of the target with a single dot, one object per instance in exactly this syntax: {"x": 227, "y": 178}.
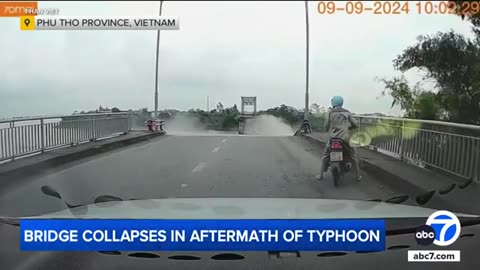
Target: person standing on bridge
{"x": 339, "y": 123}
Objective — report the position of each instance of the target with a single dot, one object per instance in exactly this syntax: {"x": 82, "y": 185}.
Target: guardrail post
{"x": 128, "y": 127}
{"x": 42, "y": 135}
{"x": 94, "y": 129}
{"x": 12, "y": 139}
{"x": 130, "y": 122}
{"x": 402, "y": 128}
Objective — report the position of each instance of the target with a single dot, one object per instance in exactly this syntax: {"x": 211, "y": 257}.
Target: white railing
{"x": 451, "y": 147}
{"x": 24, "y": 136}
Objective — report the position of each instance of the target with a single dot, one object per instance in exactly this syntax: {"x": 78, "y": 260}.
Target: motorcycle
{"x": 340, "y": 161}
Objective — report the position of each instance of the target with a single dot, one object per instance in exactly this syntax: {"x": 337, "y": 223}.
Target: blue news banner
{"x": 201, "y": 235}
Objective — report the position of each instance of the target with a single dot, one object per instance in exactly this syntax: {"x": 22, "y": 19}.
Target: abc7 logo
{"x": 425, "y": 235}
{"x": 442, "y": 229}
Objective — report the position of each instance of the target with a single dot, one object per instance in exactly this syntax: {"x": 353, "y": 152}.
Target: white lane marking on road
{"x": 224, "y": 140}
{"x": 215, "y": 149}
{"x": 199, "y": 167}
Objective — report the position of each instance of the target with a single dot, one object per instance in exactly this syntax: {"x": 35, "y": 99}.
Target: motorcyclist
{"x": 339, "y": 123}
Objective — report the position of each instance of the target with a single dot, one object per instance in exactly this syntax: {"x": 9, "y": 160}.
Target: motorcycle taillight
{"x": 336, "y": 145}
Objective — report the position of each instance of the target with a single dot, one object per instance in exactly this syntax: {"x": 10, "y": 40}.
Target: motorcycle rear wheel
{"x": 336, "y": 176}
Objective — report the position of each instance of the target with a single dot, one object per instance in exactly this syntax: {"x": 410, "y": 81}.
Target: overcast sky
{"x": 222, "y": 50}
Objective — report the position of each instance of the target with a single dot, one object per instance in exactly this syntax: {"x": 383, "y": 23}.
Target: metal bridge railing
{"x": 24, "y": 136}
{"x": 451, "y": 147}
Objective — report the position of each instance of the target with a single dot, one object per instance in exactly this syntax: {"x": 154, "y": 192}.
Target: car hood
{"x": 238, "y": 208}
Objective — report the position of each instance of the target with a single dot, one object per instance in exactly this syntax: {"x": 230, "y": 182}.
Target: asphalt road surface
{"x": 226, "y": 165}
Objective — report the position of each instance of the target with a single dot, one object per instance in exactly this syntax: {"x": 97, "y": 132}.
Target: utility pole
{"x": 307, "y": 111}
{"x": 156, "y": 63}
{"x": 208, "y": 104}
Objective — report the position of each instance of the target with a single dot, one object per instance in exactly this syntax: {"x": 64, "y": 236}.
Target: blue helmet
{"x": 337, "y": 101}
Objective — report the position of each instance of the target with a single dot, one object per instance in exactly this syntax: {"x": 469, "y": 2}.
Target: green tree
{"x": 427, "y": 106}
{"x": 453, "y": 62}
{"x": 219, "y": 107}
{"x": 416, "y": 102}
{"x": 229, "y": 122}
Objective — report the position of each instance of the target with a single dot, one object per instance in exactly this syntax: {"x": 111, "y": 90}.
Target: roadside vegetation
{"x": 451, "y": 62}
